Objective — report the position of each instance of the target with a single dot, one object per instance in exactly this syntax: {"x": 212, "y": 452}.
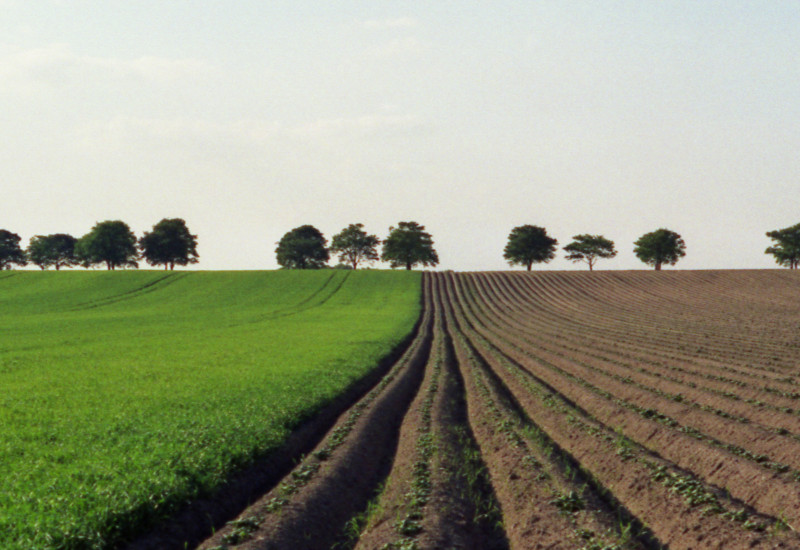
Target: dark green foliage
{"x": 354, "y": 245}
{"x": 10, "y": 252}
{"x": 660, "y": 247}
{"x": 528, "y": 244}
{"x": 169, "y": 243}
{"x": 570, "y": 502}
{"x": 302, "y": 248}
{"x": 787, "y": 246}
{"x": 56, "y": 250}
{"x": 409, "y": 244}
{"x": 109, "y": 242}
{"x": 589, "y": 249}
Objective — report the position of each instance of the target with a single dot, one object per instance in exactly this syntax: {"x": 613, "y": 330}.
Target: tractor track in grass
{"x": 152, "y": 286}
{"x": 558, "y": 410}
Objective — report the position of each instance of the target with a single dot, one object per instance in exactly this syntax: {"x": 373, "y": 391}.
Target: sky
{"x": 250, "y": 118}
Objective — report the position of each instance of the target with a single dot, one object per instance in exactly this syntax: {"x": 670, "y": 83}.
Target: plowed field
{"x": 564, "y": 410}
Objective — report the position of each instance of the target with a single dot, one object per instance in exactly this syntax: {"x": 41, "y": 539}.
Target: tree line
{"x": 113, "y": 244}
{"x": 529, "y": 244}
{"x": 407, "y": 245}
{"x": 110, "y": 243}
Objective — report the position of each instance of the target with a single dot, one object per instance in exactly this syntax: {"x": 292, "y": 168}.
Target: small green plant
{"x": 754, "y": 525}
{"x": 408, "y": 526}
{"x": 570, "y": 502}
{"x": 402, "y": 544}
{"x": 781, "y": 525}
{"x": 242, "y": 530}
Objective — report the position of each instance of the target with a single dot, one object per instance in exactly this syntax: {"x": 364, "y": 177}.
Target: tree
{"x": 528, "y": 244}
{"x": 354, "y": 245}
{"x": 169, "y": 243}
{"x": 660, "y": 247}
{"x": 303, "y": 247}
{"x": 109, "y": 242}
{"x": 57, "y": 250}
{"x": 407, "y": 245}
{"x": 10, "y": 252}
{"x": 787, "y": 246}
{"x": 590, "y": 248}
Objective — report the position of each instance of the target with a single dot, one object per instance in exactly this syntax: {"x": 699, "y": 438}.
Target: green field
{"x": 123, "y": 394}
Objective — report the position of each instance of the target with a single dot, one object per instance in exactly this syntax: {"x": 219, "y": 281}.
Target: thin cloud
{"x": 57, "y": 65}
{"x": 391, "y": 23}
{"x": 126, "y": 129}
{"x": 360, "y": 125}
{"x": 393, "y": 48}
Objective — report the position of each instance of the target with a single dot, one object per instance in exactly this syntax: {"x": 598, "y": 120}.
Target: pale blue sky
{"x": 250, "y": 118}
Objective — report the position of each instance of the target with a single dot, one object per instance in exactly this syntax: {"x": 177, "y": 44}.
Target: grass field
{"x": 124, "y": 394}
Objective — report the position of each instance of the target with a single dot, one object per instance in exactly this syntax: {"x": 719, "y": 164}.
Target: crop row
{"x": 608, "y": 400}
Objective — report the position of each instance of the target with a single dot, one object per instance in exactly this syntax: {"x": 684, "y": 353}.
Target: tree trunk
{"x": 408, "y": 266}
{"x": 658, "y": 265}
{"x": 529, "y": 265}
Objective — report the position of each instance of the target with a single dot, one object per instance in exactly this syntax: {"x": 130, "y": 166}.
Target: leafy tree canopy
{"x": 529, "y": 244}
{"x": 786, "y": 249}
{"x": 109, "y": 242}
{"x": 354, "y": 245}
{"x": 303, "y": 247}
{"x": 660, "y": 247}
{"x": 10, "y": 251}
{"x": 169, "y": 244}
{"x": 589, "y": 249}
{"x": 53, "y": 250}
{"x": 407, "y": 245}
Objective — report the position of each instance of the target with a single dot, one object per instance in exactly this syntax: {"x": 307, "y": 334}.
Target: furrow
{"x": 547, "y": 500}
{"x": 514, "y": 360}
{"x": 691, "y": 343}
{"x": 774, "y": 448}
{"x": 755, "y": 389}
{"x": 353, "y": 460}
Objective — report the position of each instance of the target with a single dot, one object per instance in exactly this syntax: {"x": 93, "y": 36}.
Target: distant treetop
{"x": 354, "y": 245}
{"x": 56, "y": 250}
{"x": 10, "y": 251}
{"x": 589, "y": 249}
{"x": 303, "y": 247}
{"x": 169, "y": 243}
{"x": 409, "y": 244}
{"x": 660, "y": 247}
{"x": 529, "y": 244}
{"x": 111, "y": 243}
{"x": 786, "y": 247}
